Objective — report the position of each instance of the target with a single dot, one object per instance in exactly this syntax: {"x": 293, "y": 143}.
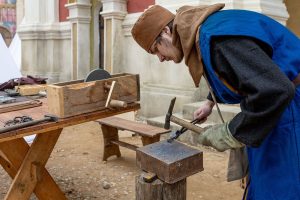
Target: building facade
{"x": 65, "y": 39}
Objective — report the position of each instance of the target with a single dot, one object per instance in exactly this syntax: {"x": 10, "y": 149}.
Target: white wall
{"x": 46, "y": 47}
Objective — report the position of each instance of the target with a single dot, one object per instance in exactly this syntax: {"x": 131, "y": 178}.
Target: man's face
{"x": 164, "y": 49}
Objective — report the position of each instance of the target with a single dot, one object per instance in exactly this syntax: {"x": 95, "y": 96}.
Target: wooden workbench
{"x": 26, "y": 164}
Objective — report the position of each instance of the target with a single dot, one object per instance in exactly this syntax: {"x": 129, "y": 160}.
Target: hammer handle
{"x": 118, "y": 104}
{"x": 195, "y": 121}
{"x": 186, "y": 124}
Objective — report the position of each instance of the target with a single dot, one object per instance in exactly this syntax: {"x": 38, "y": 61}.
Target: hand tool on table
{"x": 11, "y": 92}
{"x": 7, "y": 99}
{"x": 18, "y": 120}
{"x": 47, "y": 118}
{"x": 185, "y": 125}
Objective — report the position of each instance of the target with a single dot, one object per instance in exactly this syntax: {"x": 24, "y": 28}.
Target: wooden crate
{"x": 77, "y": 97}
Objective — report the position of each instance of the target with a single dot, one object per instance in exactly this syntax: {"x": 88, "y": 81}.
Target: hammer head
{"x": 52, "y": 118}
{"x": 169, "y": 114}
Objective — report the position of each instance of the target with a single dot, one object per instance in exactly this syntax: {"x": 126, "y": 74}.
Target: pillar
{"x": 114, "y": 12}
{"x": 80, "y": 19}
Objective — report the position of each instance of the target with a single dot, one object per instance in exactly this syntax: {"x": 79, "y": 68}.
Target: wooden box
{"x": 76, "y": 97}
{"x": 171, "y": 162}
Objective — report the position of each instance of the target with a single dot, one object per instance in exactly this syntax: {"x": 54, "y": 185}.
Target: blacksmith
{"x": 247, "y": 58}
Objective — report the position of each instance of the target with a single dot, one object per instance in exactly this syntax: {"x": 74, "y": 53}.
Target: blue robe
{"x": 275, "y": 165}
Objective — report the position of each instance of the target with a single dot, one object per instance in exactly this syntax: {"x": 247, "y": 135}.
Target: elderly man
{"x": 247, "y": 58}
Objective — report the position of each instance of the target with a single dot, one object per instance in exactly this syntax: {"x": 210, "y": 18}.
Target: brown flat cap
{"x": 150, "y": 24}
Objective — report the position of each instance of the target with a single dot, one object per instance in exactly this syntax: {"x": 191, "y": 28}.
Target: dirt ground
{"x": 77, "y": 167}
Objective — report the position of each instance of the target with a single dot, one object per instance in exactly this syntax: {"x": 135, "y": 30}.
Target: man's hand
{"x": 204, "y": 111}
{"x": 219, "y": 137}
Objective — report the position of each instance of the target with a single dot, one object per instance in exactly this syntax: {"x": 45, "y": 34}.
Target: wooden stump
{"x": 159, "y": 190}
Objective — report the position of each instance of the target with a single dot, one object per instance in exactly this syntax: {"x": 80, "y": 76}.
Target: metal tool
{"x": 18, "y": 120}
{"x": 6, "y": 99}
{"x": 97, "y": 74}
{"x": 47, "y": 118}
{"x": 185, "y": 125}
{"x": 11, "y": 92}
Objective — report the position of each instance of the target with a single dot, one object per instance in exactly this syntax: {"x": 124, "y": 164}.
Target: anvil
{"x": 171, "y": 162}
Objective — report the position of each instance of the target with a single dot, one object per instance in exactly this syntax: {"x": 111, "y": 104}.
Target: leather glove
{"x": 238, "y": 166}
{"x": 219, "y": 137}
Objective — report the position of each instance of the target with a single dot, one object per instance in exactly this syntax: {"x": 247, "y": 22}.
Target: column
{"x": 80, "y": 19}
{"x": 45, "y": 41}
{"x": 19, "y": 11}
{"x": 114, "y": 12}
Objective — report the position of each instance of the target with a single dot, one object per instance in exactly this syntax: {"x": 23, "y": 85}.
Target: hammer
{"x": 185, "y": 125}
{"x": 47, "y": 118}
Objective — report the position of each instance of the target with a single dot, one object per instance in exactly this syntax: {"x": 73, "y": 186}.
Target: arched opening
{"x": 6, "y": 35}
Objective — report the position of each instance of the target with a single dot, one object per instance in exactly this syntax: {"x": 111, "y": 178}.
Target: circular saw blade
{"x": 97, "y": 74}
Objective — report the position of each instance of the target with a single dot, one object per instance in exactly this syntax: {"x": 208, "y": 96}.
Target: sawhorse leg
{"x": 27, "y": 166}
{"x": 110, "y": 149}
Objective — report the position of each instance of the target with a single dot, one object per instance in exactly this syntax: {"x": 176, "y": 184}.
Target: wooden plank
{"x": 24, "y": 183}
{"x": 26, "y": 90}
{"x": 69, "y": 82}
{"x": 19, "y": 106}
{"x": 61, "y": 123}
{"x": 136, "y": 127}
{"x": 65, "y": 100}
{"x": 34, "y": 112}
{"x": 8, "y": 167}
{"x": 55, "y": 98}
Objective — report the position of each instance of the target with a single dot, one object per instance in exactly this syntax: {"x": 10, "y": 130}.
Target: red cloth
{"x": 29, "y": 80}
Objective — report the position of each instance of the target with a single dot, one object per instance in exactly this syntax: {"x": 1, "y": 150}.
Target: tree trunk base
{"x": 160, "y": 190}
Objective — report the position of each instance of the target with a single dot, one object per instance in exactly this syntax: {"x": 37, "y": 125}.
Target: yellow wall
{"x": 293, "y": 23}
